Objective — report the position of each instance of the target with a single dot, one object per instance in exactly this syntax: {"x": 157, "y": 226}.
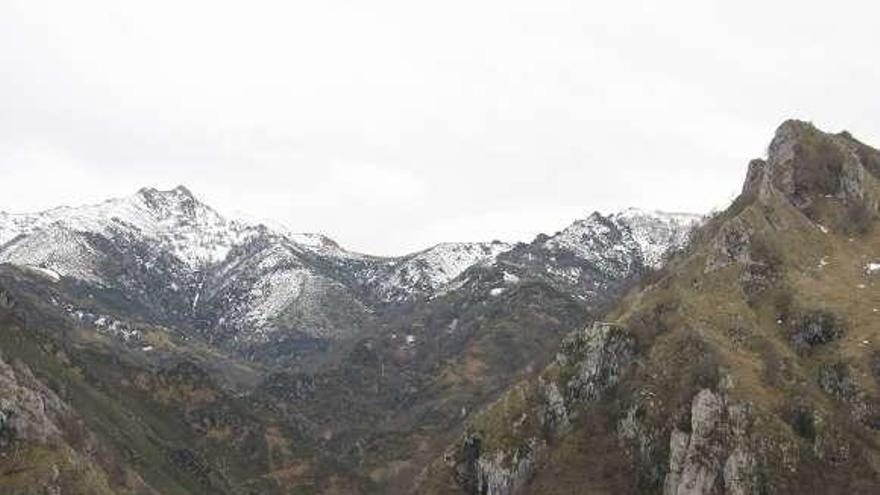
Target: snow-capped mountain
{"x": 617, "y": 237}
{"x": 595, "y": 254}
{"x": 426, "y": 272}
{"x": 237, "y": 281}
{"x": 656, "y": 232}
{"x": 183, "y": 260}
{"x": 65, "y": 239}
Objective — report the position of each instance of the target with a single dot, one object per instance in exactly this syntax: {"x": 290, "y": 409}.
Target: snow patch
{"x": 46, "y": 272}
{"x": 657, "y": 232}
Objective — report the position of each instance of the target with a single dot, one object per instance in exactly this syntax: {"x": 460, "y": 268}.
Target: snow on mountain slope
{"x": 163, "y": 245}
{"x": 657, "y": 232}
{"x": 596, "y": 253}
{"x": 171, "y": 220}
{"x": 269, "y": 289}
{"x": 245, "y": 282}
{"x": 426, "y": 272}
{"x": 56, "y": 248}
{"x": 650, "y": 234}
{"x": 597, "y": 240}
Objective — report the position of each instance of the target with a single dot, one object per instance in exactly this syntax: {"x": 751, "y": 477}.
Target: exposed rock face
{"x": 836, "y": 378}
{"x": 556, "y": 414}
{"x": 714, "y": 453}
{"x": 589, "y": 362}
{"x": 807, "y": 165}
{"x": 730, "y": 246}
{"x": 506, "y": 473}
{"x": 37, "y": 430}
{"x": 5, "y": 300}
{"x": 756, "y": 177}
{"x": 599, "y": 356}
{"x": 816, "y": 328}
{"x": 28, "y": 410}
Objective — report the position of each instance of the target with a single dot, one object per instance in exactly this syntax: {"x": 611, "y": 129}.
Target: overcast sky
{"x": 393, "y": 125}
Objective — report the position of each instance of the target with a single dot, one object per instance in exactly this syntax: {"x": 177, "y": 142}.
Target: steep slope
{"x": 84, "y": 411}
{"x": 426, "y": 272}
{"x": 34, "y": 417}
{"x": 747, "y": 365}
{"x": 148, "y": 250}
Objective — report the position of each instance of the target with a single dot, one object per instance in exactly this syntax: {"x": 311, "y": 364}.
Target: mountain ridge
{"x": 177, "y": 253}
{"x": 746, "y": 365}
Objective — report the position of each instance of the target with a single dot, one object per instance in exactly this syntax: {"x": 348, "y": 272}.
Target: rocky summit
{"x": 153, "y": 345}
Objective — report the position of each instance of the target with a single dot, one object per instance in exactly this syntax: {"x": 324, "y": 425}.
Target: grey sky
{"x": 394, "y": 125}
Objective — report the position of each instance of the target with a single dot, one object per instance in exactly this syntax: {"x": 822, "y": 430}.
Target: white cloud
{"x": 374, "y": 184}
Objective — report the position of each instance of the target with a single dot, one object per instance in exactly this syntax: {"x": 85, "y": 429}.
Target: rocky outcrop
{"x": 28, "y": 410}
{"x": 38, "y": 432}
{"x": 5, "y": 300}
{"x": 816, "y": 328}
{"x": 598, "y": 356}
{"x": 506, "y": 473}
{"x": 714, "y": 452}
{"x": 731, "y": 245}
{"x": 808, "y": 165}
{"x": 508, "y": 441}
{"x": 838, "y": 380}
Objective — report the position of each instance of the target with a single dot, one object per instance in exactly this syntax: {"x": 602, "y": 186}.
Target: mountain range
{"x": 245, "y": 285}
{"x": 188, "y": 352}
{"x": 150, "y": 345}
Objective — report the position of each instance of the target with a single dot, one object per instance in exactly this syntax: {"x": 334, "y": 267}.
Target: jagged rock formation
{"x": 40, "y": 438}
{"x": 713, "y": 451}
{"x": 502, "y": 450}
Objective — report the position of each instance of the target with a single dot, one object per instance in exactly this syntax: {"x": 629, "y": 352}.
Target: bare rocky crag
{"x": 41, "y": 440}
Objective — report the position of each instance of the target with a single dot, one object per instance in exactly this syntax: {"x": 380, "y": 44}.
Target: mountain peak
{"x": 183, "y": 190}
{"x": 176, "y": 203}
{"x": 179, "y": 193}
{"x": 810, "y": 166}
